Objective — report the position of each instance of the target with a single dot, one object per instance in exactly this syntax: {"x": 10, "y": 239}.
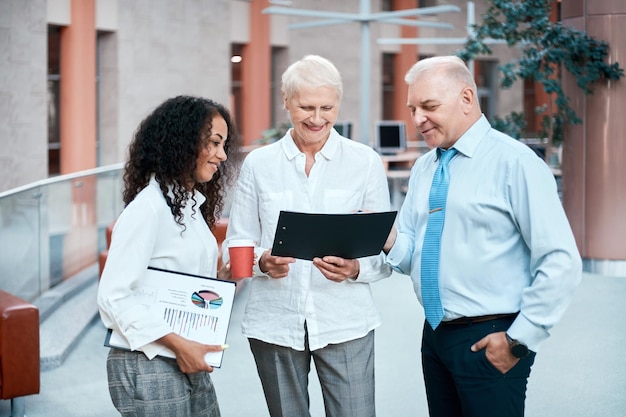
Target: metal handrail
{"x": 61, "y": 178}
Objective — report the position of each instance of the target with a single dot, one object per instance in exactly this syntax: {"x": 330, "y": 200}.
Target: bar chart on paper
{"x": 188, "y": 324}
{"x": 195, "y": 307}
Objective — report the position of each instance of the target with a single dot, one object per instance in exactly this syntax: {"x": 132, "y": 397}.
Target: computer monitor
{"x": 344, "y": 129}
{"x": 390, "y": 137}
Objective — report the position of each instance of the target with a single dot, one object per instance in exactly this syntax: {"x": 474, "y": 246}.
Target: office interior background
{"x": 77, "y": 76}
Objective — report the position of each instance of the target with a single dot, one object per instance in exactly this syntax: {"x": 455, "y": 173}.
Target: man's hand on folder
{"x": 337, "y": 269}
{"x": 275, "y": 266}
{"x": 391, "y": 239}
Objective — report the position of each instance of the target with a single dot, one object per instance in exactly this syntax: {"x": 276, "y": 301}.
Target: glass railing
{"x": 53, "y": 229}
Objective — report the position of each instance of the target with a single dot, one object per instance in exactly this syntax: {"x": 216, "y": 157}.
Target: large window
{"x": 428, "y": 3}
{"x": 530, "y": 102}
{"x": 485, "y": 76}
{"x": 280, "y": 61}
{"x": 388, "y": 87}
{"x": 236, "y": 85}
{"x": 54, "y": 92}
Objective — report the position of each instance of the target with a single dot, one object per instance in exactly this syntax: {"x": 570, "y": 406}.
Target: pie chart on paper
{"x": 207, "y": 299}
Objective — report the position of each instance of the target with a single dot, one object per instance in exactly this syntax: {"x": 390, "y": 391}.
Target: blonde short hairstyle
{"x": 311, "y": 71}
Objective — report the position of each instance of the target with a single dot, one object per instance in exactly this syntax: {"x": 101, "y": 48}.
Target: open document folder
{"x": 196, "y": 307}
{"x": 350, "y": 236}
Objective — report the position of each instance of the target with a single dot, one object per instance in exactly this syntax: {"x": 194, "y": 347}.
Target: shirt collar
{"x": 470, "y": 140}
{"x": 197, "y": 195}
{"x": 328, "y": 150}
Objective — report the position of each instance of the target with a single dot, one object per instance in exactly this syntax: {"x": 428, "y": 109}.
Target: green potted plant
{"x": 546, "y": 49}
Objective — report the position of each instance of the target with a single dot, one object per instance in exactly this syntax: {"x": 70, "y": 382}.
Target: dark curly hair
{"x": 167, "y": 143}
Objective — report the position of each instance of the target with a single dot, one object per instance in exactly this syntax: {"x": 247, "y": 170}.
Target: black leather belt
{"x": 479, "y": 319}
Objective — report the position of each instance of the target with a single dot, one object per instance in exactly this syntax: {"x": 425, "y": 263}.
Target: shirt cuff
{"x": 528, "y": 333}
{"x": 399, "y": 257}
{"x": 256, "y": 268}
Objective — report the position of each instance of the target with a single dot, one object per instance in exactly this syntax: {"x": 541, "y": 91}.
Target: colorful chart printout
{"x": 195, "y": 307}
{"x": 206, "y": 299}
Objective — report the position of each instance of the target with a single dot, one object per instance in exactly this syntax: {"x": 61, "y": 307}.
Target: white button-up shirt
{"x": 347, "y": 176}
{"x": 146, "y": 234}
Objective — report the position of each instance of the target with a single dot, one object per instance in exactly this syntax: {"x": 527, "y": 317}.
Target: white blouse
{"x": 347, "y": 176}
{"x": 146, "y": 234}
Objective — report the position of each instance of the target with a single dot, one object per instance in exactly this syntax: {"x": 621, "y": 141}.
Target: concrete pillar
{"x": 594, "y": 174}
{"x": 256, "y": 76}
{"x": 78, "y": 132}
{"x": 78, "y": 89}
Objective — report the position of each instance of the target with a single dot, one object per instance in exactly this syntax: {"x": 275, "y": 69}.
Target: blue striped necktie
{"x": 432, "y": 240}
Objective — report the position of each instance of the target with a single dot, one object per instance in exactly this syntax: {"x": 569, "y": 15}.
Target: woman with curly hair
{"x": 181, "y": 160}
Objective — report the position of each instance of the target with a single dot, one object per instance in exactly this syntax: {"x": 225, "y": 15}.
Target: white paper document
{"x": 195, "y": 307}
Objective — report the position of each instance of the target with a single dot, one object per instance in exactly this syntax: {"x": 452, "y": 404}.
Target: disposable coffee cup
{"x": 241, "y": 252}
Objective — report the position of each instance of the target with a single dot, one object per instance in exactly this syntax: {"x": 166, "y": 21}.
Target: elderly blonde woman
{"x": 322, "y": 309}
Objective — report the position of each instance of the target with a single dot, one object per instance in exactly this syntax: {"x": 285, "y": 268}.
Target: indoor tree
{"x": 546, "y": 49}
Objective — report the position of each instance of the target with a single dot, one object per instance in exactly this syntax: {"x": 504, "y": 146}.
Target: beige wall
{"x": 23, "y": 120}
{"x": 176, "y": 48}
{"x": 145, "y": 57}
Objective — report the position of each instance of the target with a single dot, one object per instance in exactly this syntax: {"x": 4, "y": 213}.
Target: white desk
{"x": 396, "y": 179}
{"x": 404, "y": 158}
{"x": 398, "y": 168}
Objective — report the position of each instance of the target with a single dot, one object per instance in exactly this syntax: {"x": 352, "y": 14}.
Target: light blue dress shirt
{"x": 506, "y": 245}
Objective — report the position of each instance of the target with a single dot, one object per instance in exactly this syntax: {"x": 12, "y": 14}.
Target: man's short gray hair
{"x": 451, "y": 65}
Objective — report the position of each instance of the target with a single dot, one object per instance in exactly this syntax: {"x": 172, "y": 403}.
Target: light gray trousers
{"x": 157, "y": 388}
{"x": 345, "y": 371}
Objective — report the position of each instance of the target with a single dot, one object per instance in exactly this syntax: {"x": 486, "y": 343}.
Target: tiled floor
{"x": 579, "y": 372}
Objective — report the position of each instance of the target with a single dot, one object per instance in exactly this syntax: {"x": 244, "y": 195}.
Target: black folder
{"x": 350, "y": 236}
